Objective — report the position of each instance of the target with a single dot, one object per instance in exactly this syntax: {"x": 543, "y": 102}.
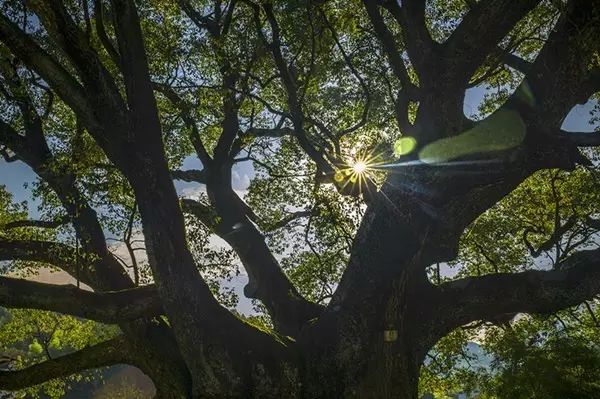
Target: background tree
{"x": 367, "y": 174}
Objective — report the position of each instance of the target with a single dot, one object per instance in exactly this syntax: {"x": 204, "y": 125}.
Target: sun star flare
{"x": 359, "y": 167}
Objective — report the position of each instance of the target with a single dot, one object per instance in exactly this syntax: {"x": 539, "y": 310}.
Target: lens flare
{"x": 359, "y": 167}
{"x": 358, "y": 173}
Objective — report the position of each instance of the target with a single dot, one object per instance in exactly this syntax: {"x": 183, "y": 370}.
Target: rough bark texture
{"x": 372, "y": 337}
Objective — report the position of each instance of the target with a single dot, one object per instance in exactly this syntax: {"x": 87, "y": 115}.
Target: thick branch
{"x": 389, "y": 45}
{"x": 230, "y": 122}
{"x": 85, "y": 268}
{"x": 408, "y": 228}
{"x": 54, "y": 253}
{"x": 102, "y": 35}
{"x": 107, "y": 353}
{"x": 106, "y": 307}
{"x": 515, "y": 62}
{"x": 420, "y": 47}
{"x": 560, "y": 76}
{"x": 483, "y": 298}
{"x": 267, "y": 282}
{"x": 43, "y": 224}
{"x": 134, "y": 65}
{"x": 480, "y": 31}
{"x": 46, "y": 66}
{"x": 191, "y": 175}
{"x": 582, "y": 139}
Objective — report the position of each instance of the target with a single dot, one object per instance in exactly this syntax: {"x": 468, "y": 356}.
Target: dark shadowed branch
{"x": 106, "y": 307}
{"x": 42, "y": 224}
{"x": 53, "y": 253}
{"x": 582, "y": 139}
{"x": 420, "y": 47}
{"x": 575, "y": 280}
{"x": 102, "y": 35}
{"x": 190, "y": 175}
{"x": 46, "y": 66}
{"x": 267, "y": 282}
{"x": 514, "y": 61}
{"x": 475, "y": 38}
{"x": 563, "y": 64}
{"x": 389, "y": 45}
{"x": 107, "y": 353}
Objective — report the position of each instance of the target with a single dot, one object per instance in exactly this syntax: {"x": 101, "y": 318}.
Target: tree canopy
{"x": 384, "y": 228}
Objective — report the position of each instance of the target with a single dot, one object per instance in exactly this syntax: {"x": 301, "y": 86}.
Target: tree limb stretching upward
{"x": 286, "y": 96}
{"x": 267, "y": 282}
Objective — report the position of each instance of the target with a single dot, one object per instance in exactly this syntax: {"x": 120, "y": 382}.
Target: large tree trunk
{"x": 391, "y": 370}
{"x": 375, "y": 383}
{"x": 380, "y": 364}
{"x": 371, "y": 339}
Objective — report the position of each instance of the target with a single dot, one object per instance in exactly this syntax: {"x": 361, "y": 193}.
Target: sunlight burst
{"x": 359, "y": 167}
{"x": 358, "y": 174}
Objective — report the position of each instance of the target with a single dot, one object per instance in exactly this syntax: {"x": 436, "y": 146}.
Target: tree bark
{"x": 371, "y": 339}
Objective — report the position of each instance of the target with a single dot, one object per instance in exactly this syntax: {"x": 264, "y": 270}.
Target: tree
{"x": 535, "y": 356}
{"x": 352, "y": 115}
{"x": 545, "y": 365}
